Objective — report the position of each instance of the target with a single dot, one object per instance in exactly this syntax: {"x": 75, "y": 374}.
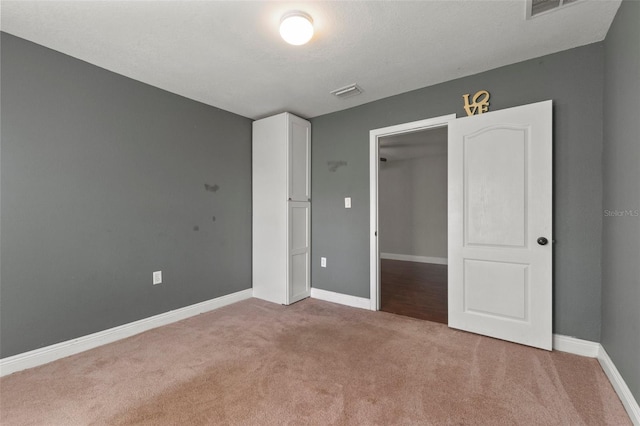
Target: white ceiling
{"x": 229, "y": 54}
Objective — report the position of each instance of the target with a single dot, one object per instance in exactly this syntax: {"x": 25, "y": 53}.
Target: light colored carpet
{"x": 257, "y": 363}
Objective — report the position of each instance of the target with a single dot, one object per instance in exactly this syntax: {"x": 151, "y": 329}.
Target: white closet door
{"x": 299, "y": 251}
{"x": 299, "y": 159}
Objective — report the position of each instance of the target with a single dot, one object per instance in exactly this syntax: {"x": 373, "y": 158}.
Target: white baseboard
{"x": 620, "y": 386}
{"x": 51, "y": 353}
{"x": 596, "y": 350}
{"x": 342, "y": 299}
{"x": 412, "y": 258}
{"x": 576, "y": 346}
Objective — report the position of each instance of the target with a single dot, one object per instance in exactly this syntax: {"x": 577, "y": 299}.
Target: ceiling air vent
{"x": 347, "y": 91}
{"x": 538, "y": 7}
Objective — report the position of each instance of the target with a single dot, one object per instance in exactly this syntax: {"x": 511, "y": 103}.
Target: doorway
{"x": 412, "y": 223}
{"x": 500, "y": 256}
{"x": 413, "y": 267}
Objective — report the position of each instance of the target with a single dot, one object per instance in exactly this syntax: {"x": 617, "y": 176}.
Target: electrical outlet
{"x": 157, "y": 277}
{"x": 347, "y": 203}
{"x": 323, "y": 262}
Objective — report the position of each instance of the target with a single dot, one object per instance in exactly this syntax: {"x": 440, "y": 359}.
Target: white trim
{"x": 374, "y": 260}
{"x": 576, "y": 346}
{"x": 412, "y": 258}
{"x": 342, "y": 299}
{"x": 620, "y": 386}
{"x": 596, "y": 350}
{"x": 51, "y": 353}
{"x": 374, "y": 161}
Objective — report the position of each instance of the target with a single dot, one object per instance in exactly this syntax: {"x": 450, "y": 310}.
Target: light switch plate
{"x": 157, "y": 277}
{"x": 323, "y": 262}
{"x": 347, "y": 203}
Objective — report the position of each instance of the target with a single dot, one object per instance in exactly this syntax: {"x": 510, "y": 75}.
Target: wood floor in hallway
{"x": 414, "y": 289}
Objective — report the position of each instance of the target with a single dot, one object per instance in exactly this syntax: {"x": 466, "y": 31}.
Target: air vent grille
{"x": 347, "y": 91}
{"x": 538, "y": 7}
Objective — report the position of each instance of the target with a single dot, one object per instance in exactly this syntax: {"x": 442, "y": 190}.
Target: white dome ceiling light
{"x": 296, "y": 28}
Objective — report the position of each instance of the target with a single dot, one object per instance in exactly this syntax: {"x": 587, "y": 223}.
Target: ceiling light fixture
{"x": 296, "y": 28}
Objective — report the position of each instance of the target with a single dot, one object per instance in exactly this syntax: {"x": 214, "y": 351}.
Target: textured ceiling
{"x": 229, "y": 54}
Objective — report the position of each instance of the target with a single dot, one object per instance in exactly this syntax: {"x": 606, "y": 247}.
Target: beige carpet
{"x": 256, "y": 363}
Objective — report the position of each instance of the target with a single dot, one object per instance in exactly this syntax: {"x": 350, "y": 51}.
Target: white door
{"x": 500, "y": 217}
{"x": 299, "y": 251}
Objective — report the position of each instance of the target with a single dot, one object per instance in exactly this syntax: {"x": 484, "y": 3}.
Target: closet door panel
{"x": 299, "y": 251}
{"x": 299, "y": 159}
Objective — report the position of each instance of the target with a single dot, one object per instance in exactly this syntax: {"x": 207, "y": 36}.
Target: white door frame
{"x": 374, "y": 163}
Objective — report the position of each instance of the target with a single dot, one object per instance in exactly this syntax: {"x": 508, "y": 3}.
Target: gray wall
{"x": 412, "y": 205}
{"x": 573, "y": 79}
{"x": 621, "y": 168}
{"x": 103, "y": 182}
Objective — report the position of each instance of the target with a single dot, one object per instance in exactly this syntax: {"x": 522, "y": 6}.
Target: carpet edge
{"x": 620, "y": 386}
{"x": 591, "y": 349}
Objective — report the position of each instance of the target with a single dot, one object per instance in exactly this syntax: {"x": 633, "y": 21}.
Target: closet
{"x": 281, "y": 195}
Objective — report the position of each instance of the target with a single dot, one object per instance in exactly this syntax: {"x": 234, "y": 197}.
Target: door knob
{"x": 542, "y": 241}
